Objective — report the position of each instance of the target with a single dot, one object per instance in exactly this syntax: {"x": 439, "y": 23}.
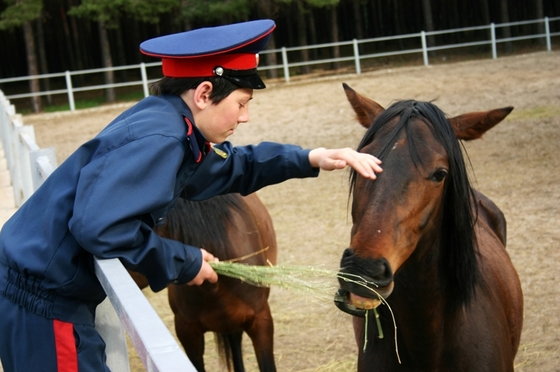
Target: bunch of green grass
{"x": 308, "y": 280}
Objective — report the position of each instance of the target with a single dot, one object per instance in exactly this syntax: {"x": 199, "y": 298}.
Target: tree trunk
{"x": 266, "y": 10}
{"x": 540, "y": 15}
{"x": 32, "y": 68}
{"x": 334, "y": 35}
{"x": 428, "y": 22}
{"x": 107, "y": 61}
{"x": 485, "y": 12}
{"x": 68, "y": 39}
{"x": 358, "y": 20}
{"x": 121, "y": 57}
{"x": 78, "y": 47}
{"x": 506, "y": 32}
{"x": 271, "y": 59}
{"x": 302, "y": 36}
{"x": 397, "y": 19}
{"x": 43, "y": 57}
{"x": 312, "y": 34}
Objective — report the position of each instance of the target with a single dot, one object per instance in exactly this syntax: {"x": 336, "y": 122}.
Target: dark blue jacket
{"x": 107, "y": 196}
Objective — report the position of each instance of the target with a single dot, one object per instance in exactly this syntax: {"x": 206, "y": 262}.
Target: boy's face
{"x": 218, "y": 122}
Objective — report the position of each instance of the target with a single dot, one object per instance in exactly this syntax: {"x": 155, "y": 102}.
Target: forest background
{"x": 49, "y": 36}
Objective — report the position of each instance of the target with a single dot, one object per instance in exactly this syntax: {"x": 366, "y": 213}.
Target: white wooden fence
{"x": 126, "y": 308}
{"x": 287, "y": 63}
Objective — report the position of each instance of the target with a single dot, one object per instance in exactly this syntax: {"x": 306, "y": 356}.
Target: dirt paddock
{"x": 516, "y": 164}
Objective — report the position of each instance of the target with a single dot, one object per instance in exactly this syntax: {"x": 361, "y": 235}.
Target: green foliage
{"x": 216, "y": 10}
{"x": 313, "y": 3}
{"x": 109, "y": 11}
{"x": 149, "y": 11}
{"x": 322, "y": 3}
{"x": 20, "y": 11}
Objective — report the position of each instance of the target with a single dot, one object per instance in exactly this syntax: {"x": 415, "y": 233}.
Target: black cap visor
{"x": 243, "y": 78}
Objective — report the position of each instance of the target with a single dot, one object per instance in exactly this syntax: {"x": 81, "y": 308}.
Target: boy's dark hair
{"x": 177, "y": 86}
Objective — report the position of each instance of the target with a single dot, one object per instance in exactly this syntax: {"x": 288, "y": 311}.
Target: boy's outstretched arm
{"x": 330, "y": 159}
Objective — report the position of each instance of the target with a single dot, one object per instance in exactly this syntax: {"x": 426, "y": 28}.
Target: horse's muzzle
{"x": 364, "y": 282}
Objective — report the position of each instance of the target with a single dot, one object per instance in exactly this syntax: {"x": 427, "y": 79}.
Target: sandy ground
{"x": 516, "y": 164}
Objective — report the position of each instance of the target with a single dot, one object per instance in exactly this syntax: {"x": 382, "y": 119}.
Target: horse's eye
{"x": 439, "y": 175}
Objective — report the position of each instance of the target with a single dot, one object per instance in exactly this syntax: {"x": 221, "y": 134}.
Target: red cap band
{"x": 204, "y": 66}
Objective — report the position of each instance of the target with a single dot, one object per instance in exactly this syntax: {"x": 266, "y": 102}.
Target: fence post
{"x": 144, "y": 79}
{"x": 285, "y": 64}
{"x": 156, "y": 347}
{"x": 42, "y": 163}
{"x": 493, "y": 37}
{"x": 424, "y": 48}
{"x": 111, "y": 330}
{"x": 4, "y": 126}
{"x": 25, "y": 139}
{"x": 547, "y": 30}
{"x": 17, "y": 152}
{"x": 357, "y": 56}
{"x": 70, "y": 91}
{"x": 8, "y": 111}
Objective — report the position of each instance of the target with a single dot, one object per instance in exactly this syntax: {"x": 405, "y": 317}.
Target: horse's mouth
{"x": 353, "y": 304}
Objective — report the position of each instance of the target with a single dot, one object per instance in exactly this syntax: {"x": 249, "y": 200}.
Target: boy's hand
{"x": 206, "y": 272}
{"x": 330, "y": 159}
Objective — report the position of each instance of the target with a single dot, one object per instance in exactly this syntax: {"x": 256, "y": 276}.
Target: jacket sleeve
{"x": 246, "y": 169}
{"x": 116, "y": 193}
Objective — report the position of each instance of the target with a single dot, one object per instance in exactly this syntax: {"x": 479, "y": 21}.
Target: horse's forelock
{"x": 387, "y": 116}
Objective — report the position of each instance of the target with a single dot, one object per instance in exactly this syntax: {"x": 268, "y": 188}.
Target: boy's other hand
{"x": 330, "y": 159}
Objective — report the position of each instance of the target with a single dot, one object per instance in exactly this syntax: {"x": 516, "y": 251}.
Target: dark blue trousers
{"x": 32, "y": 342}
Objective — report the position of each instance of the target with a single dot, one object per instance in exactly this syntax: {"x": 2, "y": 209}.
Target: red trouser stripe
{"x": 66, "y": 354}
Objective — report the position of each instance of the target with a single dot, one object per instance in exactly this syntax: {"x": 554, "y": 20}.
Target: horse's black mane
{"x": 457, "y": 261}
{"x": 204, "y": 223}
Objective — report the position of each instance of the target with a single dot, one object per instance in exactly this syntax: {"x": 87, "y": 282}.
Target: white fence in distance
{"x": 126, "y": 309}
{"x": 492, "y": 41}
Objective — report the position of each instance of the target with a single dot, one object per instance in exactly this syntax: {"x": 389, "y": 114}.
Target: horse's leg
{"x": 261, "y": 333}
{"x": 192, "y": 339}
{"x": 234, "y": 341}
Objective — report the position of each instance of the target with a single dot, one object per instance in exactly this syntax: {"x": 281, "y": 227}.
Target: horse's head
{"x": 419, "y": 208}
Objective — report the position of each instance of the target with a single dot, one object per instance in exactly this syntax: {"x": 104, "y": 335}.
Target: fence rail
{"x": 287, "y": 64}
{"x": 126, "y": 309}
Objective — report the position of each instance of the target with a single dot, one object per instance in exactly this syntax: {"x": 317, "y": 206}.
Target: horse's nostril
{"x": 382, "y": 273}
{"x": 347, "y": 253}
{"x": 375, "y": 271}
{"x": 387, "y": 269}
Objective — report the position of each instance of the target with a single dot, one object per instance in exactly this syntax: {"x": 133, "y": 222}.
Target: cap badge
{"x": 219, "y": 71}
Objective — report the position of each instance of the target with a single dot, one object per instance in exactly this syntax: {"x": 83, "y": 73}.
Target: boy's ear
{"x": 201, "y": 95}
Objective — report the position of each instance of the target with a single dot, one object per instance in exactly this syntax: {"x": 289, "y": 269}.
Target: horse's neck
{"x": 418, "y": 286}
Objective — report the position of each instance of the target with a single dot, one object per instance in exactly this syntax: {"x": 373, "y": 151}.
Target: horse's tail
{"x": 227, "y": 345}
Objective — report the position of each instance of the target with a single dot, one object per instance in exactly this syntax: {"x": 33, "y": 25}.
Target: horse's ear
{"x": 473, "y": 125}
{"x": 366, "y": 109}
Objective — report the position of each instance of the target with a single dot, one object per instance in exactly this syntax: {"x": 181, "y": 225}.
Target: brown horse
{"x": 230, "y": 227}
{"x": 430, "y": 245}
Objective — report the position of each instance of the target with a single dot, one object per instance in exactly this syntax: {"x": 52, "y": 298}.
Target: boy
{"x": 105, "y": 198}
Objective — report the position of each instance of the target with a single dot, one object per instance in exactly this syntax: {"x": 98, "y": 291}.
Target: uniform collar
{"x": 179, "y": 105}
{"x": 197, "y": 142}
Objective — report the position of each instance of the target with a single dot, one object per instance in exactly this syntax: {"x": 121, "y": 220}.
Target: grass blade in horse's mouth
{"x": 363, "y": 302}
